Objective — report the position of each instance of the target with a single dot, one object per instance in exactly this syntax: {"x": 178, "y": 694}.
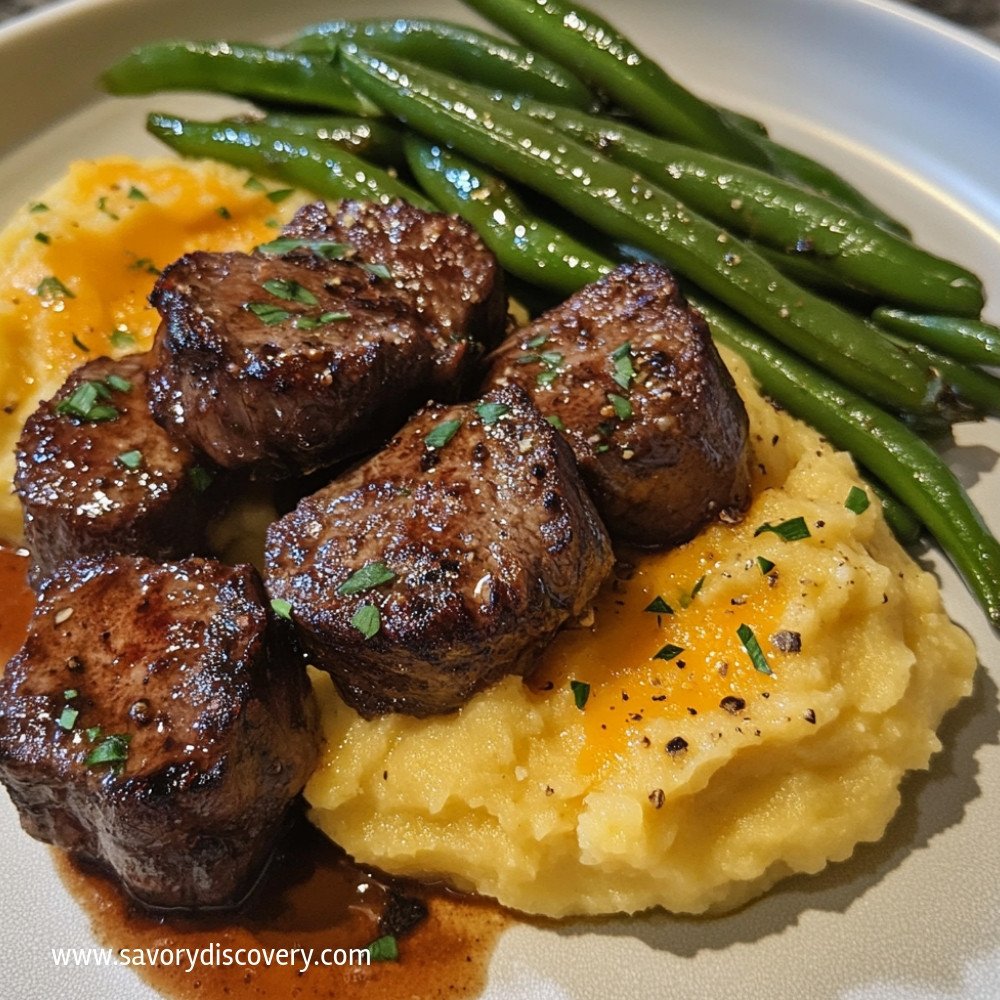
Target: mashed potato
{"x": 77, "y": 264}
{"x": 733, "y": 711}
{"x": 691, "y": 777}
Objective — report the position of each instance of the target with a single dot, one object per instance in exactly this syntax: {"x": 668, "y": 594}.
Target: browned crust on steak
{"x": 663, "y": 453}
{"x": 492, "y": 541}
{"x": 80, "y": 499}
{"x": 223, "y": 733}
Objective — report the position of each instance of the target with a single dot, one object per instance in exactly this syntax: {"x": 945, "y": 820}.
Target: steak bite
{"x": 96, "y": 474}
{"x": 150, "y": 724}
{"x": 628, "y": 371}
{"x": 283, "y": 365}
{"x": 445, "y": 561}
{"x": 439, "y": 259}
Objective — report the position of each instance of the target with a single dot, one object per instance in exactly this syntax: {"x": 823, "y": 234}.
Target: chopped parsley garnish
{"x": 51, "y": 288}
{"x": 93, "y": 732}
{"x": 145, "y": 264}
{"x": 38, "y": 206}
{"x": 371, "y": 575}
{"x": 70, "y": 693}
{"x": 658, "y": 606}
{"x": 442, "y": 434}
{"x": 765, "y": 565}
{"x": 112, "y": 750}
{"x": 624, "y": 370}
{"x": 686, "y": 599}
{"x": 556, "y": 422}
{"x": 622, "y": 407}
{"x": 312, "y": 322}
{"x": 43, "y": 237}
{"x": 384, "y": 949}
{"x": 367, "y": 620}
{"x": 68, "y": 718}
{"x": 282, "y": 608}
{"x": 668, "y": 652}
{"x": 131, "y": 459}
{"x": 79, "y": 344}
{"x": 268, "y": 313}
{"x": 118, "y": 383}
{"x": 490, "y": 413}
{"x": 102, "y": 206}
{"x": 547, "y": 377}
{"x": 377, "y": 270}
{"x": 290, "y": 291}
{"x": 792, "y": 530}
{"x": 83, "y": 404}
{"x": 537, "y": 341}
{"x": 322, "y": 248}
{"x": 121, "y": 337}
{"x": 581, "y": 692}
{"x": 254, "y": 184}
{"x": 200, "y": 478}
{"x": 857, "y": 500}
{"x": 136, "y": 195}
{"x": 223, "y": 212}
{"x": 752, "y": 646}
{"x": 280, "y": 195}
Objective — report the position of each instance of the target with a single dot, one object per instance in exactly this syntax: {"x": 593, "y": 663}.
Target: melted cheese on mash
{"x": 734, "y": 711}
{"x": 77, "y": 265}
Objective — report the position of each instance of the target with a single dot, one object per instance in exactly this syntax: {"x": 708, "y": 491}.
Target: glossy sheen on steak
{"x": 112, "y": 485}
{"x": 286, "y": 364}
{"x": 148, "y": 725}
{"x": 284, "y": 385}
{"x": 630, "y": 372}
{"x": 439, "y": 259}
{"x": 489, "y": 541}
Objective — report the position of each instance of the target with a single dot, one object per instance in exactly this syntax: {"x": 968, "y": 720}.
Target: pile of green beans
{"x": 784, "y": 258}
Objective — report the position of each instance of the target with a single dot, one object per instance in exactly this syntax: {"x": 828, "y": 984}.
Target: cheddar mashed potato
{"x": 650, "y": 761}
{"x": 733, "y": 711}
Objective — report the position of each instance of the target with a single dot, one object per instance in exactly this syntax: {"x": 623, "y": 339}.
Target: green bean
{"x": 578, "y": 37}
{"x": 251, "y": 71}
{"x": 801, "y": 169}
{"x": 969, "y": 340}
{"x": 908, "y": 466}
{"x": 781, "y": 215}
{"x": 306, "y": 162}
{"x": 575, "y": 36}
{"x": 616, "y": 201}
{"x": 468, "y": 53}
{"x": 977, "y": 389}
{"x": 526, "y": 246}
{"x": 373, "y": 139}
{"x": 901, "y": 520}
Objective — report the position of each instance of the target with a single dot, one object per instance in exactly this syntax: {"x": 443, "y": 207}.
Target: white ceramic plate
{"x": 904, "y": 105}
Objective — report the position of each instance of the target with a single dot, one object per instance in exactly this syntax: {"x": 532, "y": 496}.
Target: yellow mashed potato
{"x": 650, "y": 761}
{"x": 77, "y": 264}
{"x": 690, "y": 778}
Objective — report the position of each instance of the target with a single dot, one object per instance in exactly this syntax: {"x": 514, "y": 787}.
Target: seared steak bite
{"x": 628, "y": 372}
{"x": 151, "y": 724}
{"x": 283, "y": 365}
{"x": 445, "y": 561}
{"x": 439, "y": 259}
{"x": 96, "y": 474}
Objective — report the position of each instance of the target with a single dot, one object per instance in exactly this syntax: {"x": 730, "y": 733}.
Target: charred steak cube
{"x": 628, "y": 371}
{"x": 445, "y": 561}
{"x": 439, "y": 259}
{"x": 96, "y": 474}
{"x": 148, "y": 724}
{"x": 287, "y": 363}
